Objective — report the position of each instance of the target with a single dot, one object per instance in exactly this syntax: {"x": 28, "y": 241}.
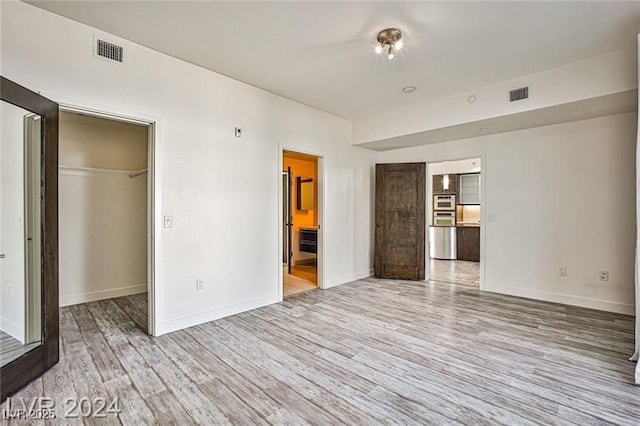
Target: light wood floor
{"x": 11, "y": 348}
{"x": 455, "y": 271}
{"x": 369, "y": 352}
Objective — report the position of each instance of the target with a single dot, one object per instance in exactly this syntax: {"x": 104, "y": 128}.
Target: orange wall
{"x": 302, "y": 218}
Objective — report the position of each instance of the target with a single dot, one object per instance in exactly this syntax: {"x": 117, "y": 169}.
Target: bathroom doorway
{"x": 300, "y": 222}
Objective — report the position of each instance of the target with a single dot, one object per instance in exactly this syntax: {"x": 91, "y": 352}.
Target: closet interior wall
{"x": 102, "y": 208}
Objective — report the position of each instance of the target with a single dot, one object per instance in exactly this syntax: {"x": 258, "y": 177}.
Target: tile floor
{"x": 455, "y": 271}
{"x": 294, "y": 284}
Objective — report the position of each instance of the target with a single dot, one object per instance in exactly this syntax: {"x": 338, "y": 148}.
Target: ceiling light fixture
{"x": 389, "y": 39}
{"x": 409, "y": 89}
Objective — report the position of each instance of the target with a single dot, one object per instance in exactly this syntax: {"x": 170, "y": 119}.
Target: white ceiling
{"x": 321, "y": 53}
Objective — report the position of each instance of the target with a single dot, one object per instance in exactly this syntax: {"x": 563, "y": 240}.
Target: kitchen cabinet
{"x": 469, "y": 189}
{"x": 468, "y": 243}
{"x": 438, "y": 184}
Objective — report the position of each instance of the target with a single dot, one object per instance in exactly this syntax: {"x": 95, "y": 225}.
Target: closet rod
{"x": 92, "y": 169}
{"x": 138, "y": 173}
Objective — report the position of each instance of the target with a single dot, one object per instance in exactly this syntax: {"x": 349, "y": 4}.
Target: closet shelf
{"x": 131, "y": 173}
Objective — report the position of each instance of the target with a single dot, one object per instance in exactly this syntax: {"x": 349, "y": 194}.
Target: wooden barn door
{"x": 400, "y": 221}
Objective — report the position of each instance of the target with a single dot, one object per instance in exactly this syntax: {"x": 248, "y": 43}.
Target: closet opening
{"x": 105, "y": 217}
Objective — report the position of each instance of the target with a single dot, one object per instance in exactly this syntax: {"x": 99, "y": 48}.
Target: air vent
{"x": 109, "y": 51}
{"x": 518, "y": 94}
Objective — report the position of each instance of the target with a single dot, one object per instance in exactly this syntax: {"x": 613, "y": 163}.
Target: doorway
{"x": 105, "y": 205}
{"x": 300, "y": 222}
{"x": 454, "y": 216}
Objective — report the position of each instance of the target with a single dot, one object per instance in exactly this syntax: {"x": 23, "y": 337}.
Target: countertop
{"x": 471, "y": 224}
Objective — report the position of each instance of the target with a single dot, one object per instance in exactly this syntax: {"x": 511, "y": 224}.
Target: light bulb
{"x": 379, "y": 49}
{"x": 391, "y": 55}
{"x": 398, "y": 45}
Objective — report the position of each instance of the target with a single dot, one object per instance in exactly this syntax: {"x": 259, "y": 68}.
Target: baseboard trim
{"x": 348, "y": 278}
{"x": 12, "y": 329}
{"x": 565, "y": 299}
{"x": 74, "y": 299}
{"x": 214, "y": 314}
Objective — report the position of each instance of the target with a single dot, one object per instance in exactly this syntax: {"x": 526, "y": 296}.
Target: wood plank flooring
{"x": 11, "y": 348}
{"x": 368, "y": 352}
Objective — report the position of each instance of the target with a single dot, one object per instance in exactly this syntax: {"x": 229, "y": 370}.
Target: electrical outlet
{"x": 562, "y": 271}
{"x": 603, "y": 275}
{"x": 199, "y": 284}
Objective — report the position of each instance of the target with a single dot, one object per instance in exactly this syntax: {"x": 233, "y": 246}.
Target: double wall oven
{"x": 442, "y": 235}
{"x": 444, "y": 202}
{"x": 444, "y": 210}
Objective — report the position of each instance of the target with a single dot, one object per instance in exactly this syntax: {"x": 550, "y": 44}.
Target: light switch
{"x": 168, "y": 221}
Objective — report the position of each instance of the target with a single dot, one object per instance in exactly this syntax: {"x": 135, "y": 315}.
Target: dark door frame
{"x": 289, "y": 223}
{"x": 33, "y": 364}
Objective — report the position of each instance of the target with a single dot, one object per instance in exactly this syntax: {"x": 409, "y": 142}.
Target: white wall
{"x": 561, "y": 195}
{"x": 12, "y": 267}
{"x": 102, "y": 212}
{"x": 222, "y": 191}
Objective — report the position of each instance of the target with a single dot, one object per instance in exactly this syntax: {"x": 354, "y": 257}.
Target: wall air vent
{"x": 109, "y": 51}
{"x": 518, "y": 94}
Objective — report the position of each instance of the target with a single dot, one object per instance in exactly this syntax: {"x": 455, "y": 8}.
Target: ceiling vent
{"x": 110, "y": 51}
{"x": 518, "y": 94}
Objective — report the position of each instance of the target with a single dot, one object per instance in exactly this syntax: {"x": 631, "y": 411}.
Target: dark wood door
{"x": 34, "y": 362}
{"x": 400, "y": 221}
